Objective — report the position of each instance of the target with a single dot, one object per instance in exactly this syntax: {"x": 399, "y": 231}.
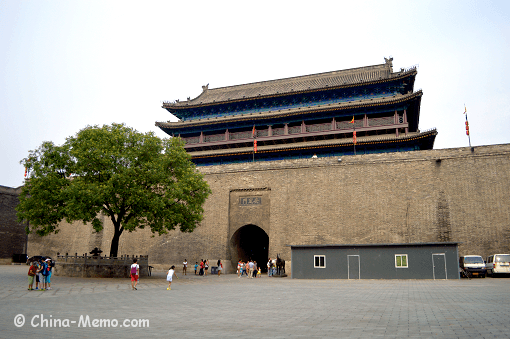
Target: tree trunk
{"x": 114, "y": 249}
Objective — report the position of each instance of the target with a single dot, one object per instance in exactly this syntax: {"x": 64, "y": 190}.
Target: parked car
{"x": 472, "y": 266}
{"x": 498, "y": 264}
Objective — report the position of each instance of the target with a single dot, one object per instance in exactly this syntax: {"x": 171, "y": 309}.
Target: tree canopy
{"x": 136, "y": 179}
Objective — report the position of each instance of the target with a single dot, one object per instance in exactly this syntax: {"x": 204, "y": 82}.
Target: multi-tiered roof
{"x": 301, "y": 116}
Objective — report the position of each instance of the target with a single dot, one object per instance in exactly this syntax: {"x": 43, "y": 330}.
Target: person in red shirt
{"x": 202, "y": 264}
{"x": 31, "y": 275}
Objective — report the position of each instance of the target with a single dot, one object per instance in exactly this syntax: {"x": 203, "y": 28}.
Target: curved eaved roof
{"x": 311, "y": 82}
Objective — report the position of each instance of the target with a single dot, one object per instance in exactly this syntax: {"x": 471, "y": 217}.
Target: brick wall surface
{"x": 12, "y": 234}
{"x": 455, "y": 194}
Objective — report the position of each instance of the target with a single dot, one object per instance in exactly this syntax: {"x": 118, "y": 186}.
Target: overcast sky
{"x": 68, "y": 64}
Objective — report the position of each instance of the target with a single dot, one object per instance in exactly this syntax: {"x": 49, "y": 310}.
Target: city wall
{"x": 459, "y": 194}
{"x": 13, "y": 239}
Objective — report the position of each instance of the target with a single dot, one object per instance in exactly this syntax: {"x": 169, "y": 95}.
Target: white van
{"x": 498, "y": 264}
{"x": 472, "y": 265}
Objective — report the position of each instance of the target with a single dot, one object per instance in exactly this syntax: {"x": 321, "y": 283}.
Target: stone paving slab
{"x": 229, "y": 307}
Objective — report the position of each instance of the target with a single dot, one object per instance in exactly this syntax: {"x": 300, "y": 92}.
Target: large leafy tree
{"x": 137, "y": 180}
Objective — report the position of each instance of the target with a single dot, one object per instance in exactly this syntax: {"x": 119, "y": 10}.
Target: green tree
{"x": 137, "y": 180}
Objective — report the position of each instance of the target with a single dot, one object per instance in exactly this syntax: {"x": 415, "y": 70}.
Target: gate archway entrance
{"x": 250, "y": 242}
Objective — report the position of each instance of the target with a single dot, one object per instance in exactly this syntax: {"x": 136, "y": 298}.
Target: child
{"x": 259, "y": 272}
{"x": 196, "y": 266}
{"x": 171, "y": 272}
{"x": 31, "y": 275}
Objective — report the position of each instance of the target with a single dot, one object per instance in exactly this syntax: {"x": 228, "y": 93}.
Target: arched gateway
{"x": 250, "y": 242}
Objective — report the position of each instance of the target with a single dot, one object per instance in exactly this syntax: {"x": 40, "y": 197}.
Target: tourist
{"x": 206, "y": 266}
{"x": 269, "y": 266}
{"x": 50, "y": 264}
{"x": 169, "y": 275}
{"x": 37, "y": 274}
{"x": 239, "y": 271}
{"x": 259, "y": 272}
{"x": 202, "y": 264}
{"x": 184, "y": 266}
{"x": 31, "y": 275}
{"x": 196, "y": 267}
{"x": 243, "y": 268}
{"x": 44, "y": 273}
{"x": 220, "y": 267}
{"x": 250, "y": 269}
{"x": 135, "y": 272}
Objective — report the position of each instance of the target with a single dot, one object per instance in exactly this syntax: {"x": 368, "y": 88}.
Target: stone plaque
{"x": 250, "y": 201}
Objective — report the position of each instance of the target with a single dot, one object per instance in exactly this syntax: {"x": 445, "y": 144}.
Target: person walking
{"x": 269, "y": 265}
{"x": 135, "y": 272}
{"x": 220, "y": 267}
{"x": 184, "y": 266}
{"x": 169, "y": 275}
{"x": 206, "y": 266}
{"x": 196, "y": 267}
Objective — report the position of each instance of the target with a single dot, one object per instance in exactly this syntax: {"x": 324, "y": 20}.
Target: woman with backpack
{"x": 135, "y": 270}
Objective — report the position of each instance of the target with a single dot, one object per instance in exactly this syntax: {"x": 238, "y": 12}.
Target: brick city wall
{"x": 12, "y": 234}
{"x": 458, "y": 194}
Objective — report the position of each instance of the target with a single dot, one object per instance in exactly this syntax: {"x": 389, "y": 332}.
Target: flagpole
{"x": 467, "y": 126}
{"x": 353, "y": 141}
{"x": 469, "y": 136}
{"x": 353, "y": 134}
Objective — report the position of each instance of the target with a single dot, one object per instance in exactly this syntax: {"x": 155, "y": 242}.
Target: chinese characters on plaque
{"x": 250, "y": 201}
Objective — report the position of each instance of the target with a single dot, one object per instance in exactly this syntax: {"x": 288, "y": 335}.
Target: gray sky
{"x": 68, "y": 64}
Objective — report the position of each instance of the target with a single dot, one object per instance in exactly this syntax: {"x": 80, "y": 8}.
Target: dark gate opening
{"x": 250, "y": 242}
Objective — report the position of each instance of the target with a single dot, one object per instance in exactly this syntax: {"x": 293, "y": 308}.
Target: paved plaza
{"x": 229, "y": 307}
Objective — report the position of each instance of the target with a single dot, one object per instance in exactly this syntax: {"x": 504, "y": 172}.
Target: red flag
{"x": 354, "y": 137}
{"x": 25, "y": 172}
{"x": 255, "y": 146}
{"x": 253, "y": 132}
{"x": 352, "y": 121}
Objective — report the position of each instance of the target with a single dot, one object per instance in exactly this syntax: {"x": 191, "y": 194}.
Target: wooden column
{"x": 201, "y": 140}
{"x": 226, "y": 134}
{"x": 286, "y": 129}
{"x": 395, "y": 121}
{"x": 365, "y": 121}
{"x": 333, "y": 124}
{"x": 405, "y": 121}
{"x": 303, "y": 127}
{"x": 269, "y": 131}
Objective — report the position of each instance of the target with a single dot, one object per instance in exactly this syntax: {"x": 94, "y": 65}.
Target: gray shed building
{"x": 376, "y": 261}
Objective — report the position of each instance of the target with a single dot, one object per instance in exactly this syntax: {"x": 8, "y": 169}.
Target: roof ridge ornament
{"x": 205, "y": 88}
{"x": 389, "y": 63}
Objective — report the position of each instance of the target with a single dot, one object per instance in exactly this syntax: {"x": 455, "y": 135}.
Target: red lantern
{"x": 255, "y": 146}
